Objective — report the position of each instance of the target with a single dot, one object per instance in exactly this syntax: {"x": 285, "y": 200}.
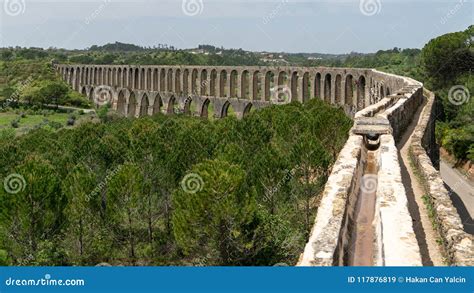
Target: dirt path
{"x": 425, "y": 234}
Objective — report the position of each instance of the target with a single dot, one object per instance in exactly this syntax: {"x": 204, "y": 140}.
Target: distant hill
{"x": 117, "y": 47}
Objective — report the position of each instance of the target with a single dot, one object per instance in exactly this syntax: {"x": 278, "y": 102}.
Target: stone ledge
{"x": 458, "y": 245}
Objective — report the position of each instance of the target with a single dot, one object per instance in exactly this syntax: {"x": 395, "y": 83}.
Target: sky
{"x": 322, "y": 26}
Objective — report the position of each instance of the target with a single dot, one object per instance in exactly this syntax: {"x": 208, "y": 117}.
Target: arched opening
{"x": 171, "y": 106}
{"x": 194, "y": 82}
{"x": 77, "y": 78}
{"x": 244, "y": 85}
{"x": 91, "y": 95}
{"x": 142, "y": 79}
{"x": 155, "y": 79}
{"x": 157, "y": 105}
{"x": 162, "y": 80}
{"x": 148, "y": 80}
{"x": 213, "y": 83}
{"x": 84, "y": 92}
{"x": 124, "y": 77}
{"x": 114, "y": 77}
{"x": 294, "y": 86}
{"x": 228, "y": 110}
{"x": 205, "y": 109}
{"x": 144, "y": 106}
{"x": 306, "y": 87}
{"x": 119, "y": 78}
{"x": 136, "y": 77}
{"x": 338, "y": 89}
{"x": 223, "y": 84}
{"x": 327, "y": 88}
{"x": 269, "y": 80}
{"x": 109, "y": 77}
{"x": 186, "y": 81}
{"x": 388, "y": 91}
{"x": 349, "y": 90}
{"x": 249, "y": 108}
{"x": 233, "y": 84}
{"x": 71, "y": 77}
{"x": 132, "y": 105}
{"x": 96, "y": 76}
{"x": 256, "y": 81}
{"x": 317, "y": 85}
{"x": 204, "y": 81}
{"x": 121, "y": 103}
{"x": 169, "y": 77}
{"x": 382, "y": 92}
{"x": 177, "y": 81}
{"x": 361, "y": 93}
{"x": 85, "y": 78}
{"x": 189, "y": 106}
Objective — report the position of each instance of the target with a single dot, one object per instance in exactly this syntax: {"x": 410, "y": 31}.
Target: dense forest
{"x": 169, "y": 190}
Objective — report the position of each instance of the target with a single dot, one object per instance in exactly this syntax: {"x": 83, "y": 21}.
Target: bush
{"x": 15, "y": 123}
{"x": 71, "y": 122}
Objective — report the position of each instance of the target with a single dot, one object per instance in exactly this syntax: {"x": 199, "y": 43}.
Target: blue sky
{"x": 274, "y": 25}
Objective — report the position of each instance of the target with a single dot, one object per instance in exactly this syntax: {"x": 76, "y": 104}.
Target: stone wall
{"x": 458, "y": 245}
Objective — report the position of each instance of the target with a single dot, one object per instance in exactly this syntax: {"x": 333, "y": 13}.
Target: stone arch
{"x": 327, "y": 88}
{"x": 204, "y": 113}
{"x": 227, "y": 110}
{"x": 142, "y": 79}
{"x": 349, "y": 90}
{"x": 294, "y": 86}
{"x": 121, "y": 103}
{"x": 338, "y": 89}
{"x": 136, "y": 79}
{"x": 256, "y": 80}
{"x": 361, "y": 88}
{"x": 282, "y": 79}
{"x": 177, "y": 81}
{"x": 269, "y": 80}
{"x": 162, "y": 80}
{"x": 157, "y": 104}
{"x": 169, "y": 78}
{"x": 96, "y": 76}
{"x": 203, "y": 84}
{"x": 171, "y": 105}
{"x": 189, "y": 106}
{"x": 213, "y": 83}
{"x": 317, "y": 85}
{"x": 144, "y": 106}
{"x": 156, "y": 76}
{"x": 148, "y": 80}
{"x": 244, "y": 85}
{"x": 248, "y": 108}
{"x": 305, "y": 87}
{"x": 186, "y": 81}
{"x": 194, "y": 82}
{"x": 233, "y": 83}
{"x": 223, "y": 84}
{"x": 132, "y": 105}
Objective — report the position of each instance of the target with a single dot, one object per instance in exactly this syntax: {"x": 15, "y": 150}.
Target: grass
{"x": 30, "y": 121}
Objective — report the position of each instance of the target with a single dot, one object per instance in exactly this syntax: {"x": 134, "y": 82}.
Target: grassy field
{"x": 31, "y": 121}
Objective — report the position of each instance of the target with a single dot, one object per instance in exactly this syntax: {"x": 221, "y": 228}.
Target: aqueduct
{"x": 365, "y": 216}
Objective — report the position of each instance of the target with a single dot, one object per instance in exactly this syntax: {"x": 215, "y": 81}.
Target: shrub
{"x": 15, "y": 123}
{"x": 71, "y": 122}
